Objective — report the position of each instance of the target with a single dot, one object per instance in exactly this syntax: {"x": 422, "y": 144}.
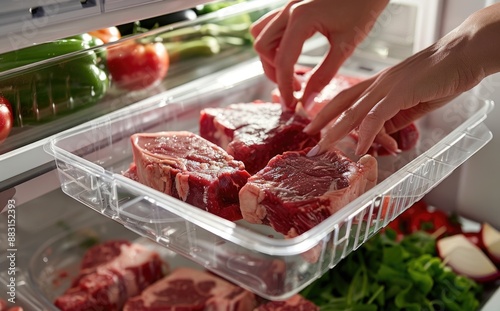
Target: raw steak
{"x": 294, "y": 303}
{"x": 192, "y": 290}
{"x": 255, "y": 132}
{"x": 293, "y": 193}
{"x": 111, "y": 273}
{"x": 190, "y": 168}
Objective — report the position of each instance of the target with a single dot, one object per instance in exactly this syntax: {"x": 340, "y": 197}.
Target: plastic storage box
{"x": 91, "y": 158}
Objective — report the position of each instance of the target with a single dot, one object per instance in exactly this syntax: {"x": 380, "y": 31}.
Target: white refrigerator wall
{"x": 474, "y": 189}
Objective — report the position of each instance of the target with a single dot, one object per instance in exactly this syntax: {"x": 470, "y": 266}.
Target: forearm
{"x": 483, "y": 46}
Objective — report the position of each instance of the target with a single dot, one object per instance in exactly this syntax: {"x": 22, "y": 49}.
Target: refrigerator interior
{"x": 46, "y": 214}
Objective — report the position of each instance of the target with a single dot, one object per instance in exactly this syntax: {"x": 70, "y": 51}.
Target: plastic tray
{"x": 91, "y": 158}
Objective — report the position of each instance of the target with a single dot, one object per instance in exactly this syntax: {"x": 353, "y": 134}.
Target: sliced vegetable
{"x": 6, "y": 118}
{"x": 490, "y": 238}
{"x": 136, "y": 65}
{"x": 466, "y": 259}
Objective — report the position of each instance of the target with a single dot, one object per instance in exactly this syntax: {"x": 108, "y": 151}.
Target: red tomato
{"x": 135, "y": 66}
{"x": 6, "y": 118}
{"x": 106, "y": 34}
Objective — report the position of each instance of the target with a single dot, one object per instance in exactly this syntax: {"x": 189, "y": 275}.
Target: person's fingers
{"x": 270, "y": 36}
{"x": 404, "y": 117}
{"x": 336, "y": 106}
{"x": 375, "y": 119}
{"x": 349, "y": 120}
{"x": 268, "y": 32}
{"x": 259, "y": 25}
{"x": 387, "y": 142}
{"x": 269, "y": 70}
{"x": 324, "y": 72}
{"x": 300, "y": 26}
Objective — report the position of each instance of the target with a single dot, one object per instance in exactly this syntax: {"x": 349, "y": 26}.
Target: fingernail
{"x": 310, "y": 99}
{"x": 314, "y": 151}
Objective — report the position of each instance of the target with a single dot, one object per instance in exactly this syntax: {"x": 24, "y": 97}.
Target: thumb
{"x": 324, "y": 73}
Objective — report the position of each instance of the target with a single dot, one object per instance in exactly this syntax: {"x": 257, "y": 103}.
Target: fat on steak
{"x": 255, "y": 132}
{"x": 189, "y": 167}
{"x": 190, "y": 289}
{"x": 294, "y": 193}
{"x": 110, "y": 273}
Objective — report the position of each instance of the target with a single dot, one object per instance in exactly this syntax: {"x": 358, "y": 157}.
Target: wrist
{"x": 483, "y": 45}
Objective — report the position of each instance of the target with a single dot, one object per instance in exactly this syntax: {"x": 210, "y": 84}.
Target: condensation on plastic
{"x": 91, "y": 158}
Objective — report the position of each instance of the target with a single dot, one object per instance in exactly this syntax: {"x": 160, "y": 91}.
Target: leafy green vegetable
{"x": 388, "y": 275}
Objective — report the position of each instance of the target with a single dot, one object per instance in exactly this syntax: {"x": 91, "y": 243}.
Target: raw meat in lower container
{"x": 294, "y": 303}
{"x": 112, "y": 272}
{"x": 294, "y": 193}
{"x": 189, "y": 167}
{"x": 255, "y": 132}
{"x": 192, "y": 290}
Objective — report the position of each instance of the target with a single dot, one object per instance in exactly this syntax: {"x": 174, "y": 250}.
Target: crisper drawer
{"x": 91, "y": 158}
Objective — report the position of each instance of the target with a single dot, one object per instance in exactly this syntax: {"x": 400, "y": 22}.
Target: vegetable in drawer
{"x": 45, "y": 91}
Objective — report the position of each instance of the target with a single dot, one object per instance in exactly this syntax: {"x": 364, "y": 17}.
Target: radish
{"x": 466, "y": 259}
{"x": 490, "y": 238}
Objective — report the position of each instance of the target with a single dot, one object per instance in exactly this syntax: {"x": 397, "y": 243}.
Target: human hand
{"x": 280, "y": 35}
{"x": 401, "y": 94}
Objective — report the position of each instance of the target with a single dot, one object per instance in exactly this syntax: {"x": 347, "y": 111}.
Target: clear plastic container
{"x": 91, "y": 158}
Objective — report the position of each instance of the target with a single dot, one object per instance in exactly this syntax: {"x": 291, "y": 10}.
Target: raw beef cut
{"x": 293, "y": 193}
{"x": 189, "y": 167}
{"x": 193, "y": 290}
{"x": 111, "y": 273}
{"x": 255, "y": 132}
{"x": 294, "y": 303}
